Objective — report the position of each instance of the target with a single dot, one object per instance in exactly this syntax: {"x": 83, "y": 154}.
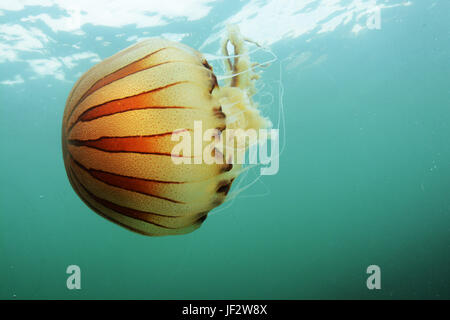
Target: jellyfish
{"x": 118, "y": 127}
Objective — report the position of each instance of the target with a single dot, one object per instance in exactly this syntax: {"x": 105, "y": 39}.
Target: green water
{"x": 364, "y": 177}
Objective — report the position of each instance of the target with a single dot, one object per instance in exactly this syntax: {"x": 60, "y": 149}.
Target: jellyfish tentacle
{"x": 228, "y": 64}
{"x": 236, "y": 95}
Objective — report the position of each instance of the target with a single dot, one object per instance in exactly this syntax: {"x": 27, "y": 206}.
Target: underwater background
{"x": 360, "y": 92}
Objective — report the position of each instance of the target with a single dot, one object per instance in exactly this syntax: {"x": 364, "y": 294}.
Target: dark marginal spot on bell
{"x": 224, "y": 187}
{"x": 203, "y": 217}
{"x": 219, "y": 115}
{"x": 214, "y": 83}
{"x": 227, "y": 167}
{"x": 219, "y": 201}
{"x": 206, "y": 64}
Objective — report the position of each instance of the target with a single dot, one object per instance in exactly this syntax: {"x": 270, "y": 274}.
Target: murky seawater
{"x": 360, "y": 93}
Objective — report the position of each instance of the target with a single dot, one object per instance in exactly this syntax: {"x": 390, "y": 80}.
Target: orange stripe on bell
{"x": 117, "y": 145}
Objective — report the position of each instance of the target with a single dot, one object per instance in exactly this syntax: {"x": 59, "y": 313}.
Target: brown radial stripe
{"x": 130, "y": 104}
{"x": 213, "y": 83}
{"x": 131, "y": 68}
{"x": 138, "y": 185}
{"x": 132, "y": 213}
{"x": 73, "y": 179}
{"x": 141, "y": 100}
{"x": 135, "y": 214}
{"x": 75, "y": 182}
{"x": 148, "y": 144}
{"x": 117, "y": 56}
{"x": 135, "y": 66}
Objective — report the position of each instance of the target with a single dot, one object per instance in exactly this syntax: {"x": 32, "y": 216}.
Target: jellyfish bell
{"x": 118, "y": 128}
